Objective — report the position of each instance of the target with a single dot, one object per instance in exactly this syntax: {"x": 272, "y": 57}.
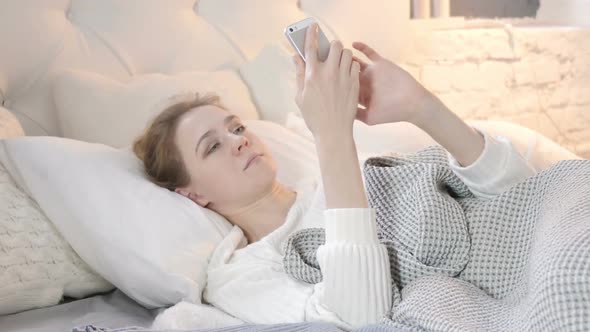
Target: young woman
{"x": 202, "y": 152}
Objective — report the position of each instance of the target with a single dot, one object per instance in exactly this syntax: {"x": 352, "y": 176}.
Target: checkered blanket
{"x": 519, "y": 261}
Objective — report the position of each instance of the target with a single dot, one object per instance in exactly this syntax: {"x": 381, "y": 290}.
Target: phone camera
{"x": 291, "y": 29}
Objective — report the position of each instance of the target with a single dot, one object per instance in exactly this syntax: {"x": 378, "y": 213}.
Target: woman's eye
{"x": 237, "y": 131}
{"x": 213, "y": 148}
{"x": 240, "y": 130}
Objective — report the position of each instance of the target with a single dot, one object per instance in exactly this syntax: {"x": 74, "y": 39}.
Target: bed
{"x": 96, "y": 71}
{"x": 111, "y": 310}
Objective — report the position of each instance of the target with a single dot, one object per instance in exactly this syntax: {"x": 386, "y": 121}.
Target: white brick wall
{"x": 538, "y": 77}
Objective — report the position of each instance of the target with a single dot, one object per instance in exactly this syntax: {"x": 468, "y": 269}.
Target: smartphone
{"x": 295, "y": 33}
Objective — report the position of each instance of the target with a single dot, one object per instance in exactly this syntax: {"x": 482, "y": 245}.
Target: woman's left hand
{"x": 327, "y": 92}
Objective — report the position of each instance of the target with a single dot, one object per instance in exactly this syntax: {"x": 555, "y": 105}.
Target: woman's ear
{"x": 200, "y": 200}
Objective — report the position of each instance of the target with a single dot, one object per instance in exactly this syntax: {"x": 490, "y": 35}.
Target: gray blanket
{"x": 519, "y": 261}
{"x": 290, "y": 327}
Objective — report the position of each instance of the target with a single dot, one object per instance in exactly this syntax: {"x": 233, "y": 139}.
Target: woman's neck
{"x": 266, "y": 214}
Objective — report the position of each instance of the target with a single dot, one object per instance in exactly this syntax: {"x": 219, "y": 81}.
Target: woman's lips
{"x": 251, "y": 159}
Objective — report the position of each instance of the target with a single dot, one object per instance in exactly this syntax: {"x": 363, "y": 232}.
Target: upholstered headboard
{"x": 120, "y": 39}
{"x": 516, "y": 71}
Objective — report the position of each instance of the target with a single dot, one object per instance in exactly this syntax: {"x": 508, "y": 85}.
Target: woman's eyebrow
{"x": 209, "y": 132}
{"x": 229, "y": 119}
{"x": 205, "y": 135}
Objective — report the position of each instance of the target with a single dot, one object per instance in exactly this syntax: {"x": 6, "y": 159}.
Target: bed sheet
{"x": 112, "y": 310}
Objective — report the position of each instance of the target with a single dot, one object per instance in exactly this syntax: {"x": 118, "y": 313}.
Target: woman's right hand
{"x": 327, "y": 92}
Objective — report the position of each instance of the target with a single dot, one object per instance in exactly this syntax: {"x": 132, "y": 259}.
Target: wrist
{"x": 427, "y": 111}
{"x": 334, "y": 141}
{"x": 336, "y": 148}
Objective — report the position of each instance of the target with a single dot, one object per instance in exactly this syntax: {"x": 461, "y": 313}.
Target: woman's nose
{"x": 239, "y": 143}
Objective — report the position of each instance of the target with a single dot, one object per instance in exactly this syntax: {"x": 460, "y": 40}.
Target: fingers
{"x": 335, "y": 53}
{"x": 355, "y": 70}
{"x": 362, "y": 64}
{"x": 345, "y": 62}
{"x": 367, "y": 50}
{"x": 311, "y": 45}
{"x": 299, "y": 72}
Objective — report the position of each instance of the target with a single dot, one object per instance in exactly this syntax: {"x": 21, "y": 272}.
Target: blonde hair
{"x": 156, "y": 146}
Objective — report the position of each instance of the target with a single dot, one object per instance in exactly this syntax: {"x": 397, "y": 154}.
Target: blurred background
{"x": 525, "y": 61}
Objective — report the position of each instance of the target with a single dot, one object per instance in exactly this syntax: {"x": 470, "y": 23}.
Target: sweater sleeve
{"x": 356, "y": 284}
{"x": 499, "y": 167}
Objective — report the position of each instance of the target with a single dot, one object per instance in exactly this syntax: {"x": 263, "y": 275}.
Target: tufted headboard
{"x": 536, "y": 76}
{"x": 123, "y": 38}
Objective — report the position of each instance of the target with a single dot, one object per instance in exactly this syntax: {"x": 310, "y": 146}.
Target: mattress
{"x": 112, "y": 310}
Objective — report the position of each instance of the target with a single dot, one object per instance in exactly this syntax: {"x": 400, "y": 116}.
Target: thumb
{"x": 367, "y": 51}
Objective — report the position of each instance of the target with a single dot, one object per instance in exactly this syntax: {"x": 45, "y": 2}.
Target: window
{"x": 494, "y": 8}
{"x": 474, "y": 8}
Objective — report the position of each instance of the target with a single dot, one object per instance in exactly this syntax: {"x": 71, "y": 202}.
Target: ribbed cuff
{"x": 354, "y": 225}
{"x": 490, "y": 163}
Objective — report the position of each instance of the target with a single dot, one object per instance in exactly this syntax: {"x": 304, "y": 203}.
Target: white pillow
{"x": 97, "y": 109}
{"x": 100, "y": 201}
{"x": 151, "y": 243}
{"x": 271, "y": 78}
{"x": 404, "y": 138}
{"x": 37, "y": 266}
{"x": 401, "y": 137}
{"x": 540, "y": 151}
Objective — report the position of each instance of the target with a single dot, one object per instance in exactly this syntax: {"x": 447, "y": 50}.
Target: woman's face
{"x": 229, "y": 166}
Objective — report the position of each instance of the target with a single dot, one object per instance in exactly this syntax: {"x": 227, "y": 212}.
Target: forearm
{"x": 341, "y": 174}
{"x": 357, "y": 285}
{"x": 445, "y": 127}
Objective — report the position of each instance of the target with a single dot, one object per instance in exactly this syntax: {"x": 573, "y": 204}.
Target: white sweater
{"x": 249, "y": 281}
